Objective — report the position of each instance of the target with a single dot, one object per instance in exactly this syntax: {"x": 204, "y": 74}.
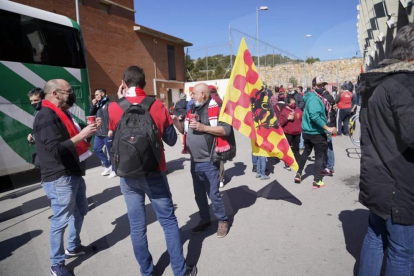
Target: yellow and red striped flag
{"x": 246, "y": 107}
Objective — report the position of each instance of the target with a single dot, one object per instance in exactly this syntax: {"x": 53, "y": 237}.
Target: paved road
{"x": 277, "y": 227}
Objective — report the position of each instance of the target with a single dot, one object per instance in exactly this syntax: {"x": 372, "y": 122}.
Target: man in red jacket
{"x": 344, "y": 102}
{"x": 154, "y": 185}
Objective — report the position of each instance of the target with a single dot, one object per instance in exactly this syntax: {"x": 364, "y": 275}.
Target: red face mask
{"x": 293, "y": 106}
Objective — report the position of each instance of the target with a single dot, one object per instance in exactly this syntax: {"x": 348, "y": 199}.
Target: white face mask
{"x": 197, "y": 104}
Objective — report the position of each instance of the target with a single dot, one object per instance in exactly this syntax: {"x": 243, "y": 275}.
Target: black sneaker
{"x": 201, "y": 227}
{"x": 191, "y": 271}
{"x": 59, "y": 270}
{"x": 78, "y": 251}
{"x": 254, "y": 169}
{"x": 298, "y": 178}
{"x": 286, "y": 167}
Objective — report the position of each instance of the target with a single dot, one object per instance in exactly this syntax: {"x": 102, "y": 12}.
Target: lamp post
{"x": 304, "y": 60}
{"x": 261, "y": 8}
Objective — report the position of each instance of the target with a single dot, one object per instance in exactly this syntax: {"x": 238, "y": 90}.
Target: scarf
{"x": 326, "y": 104}
{"x": 102, "y": 102}
{"x": 72, "y": 127}
{"x": 213, "y": 112}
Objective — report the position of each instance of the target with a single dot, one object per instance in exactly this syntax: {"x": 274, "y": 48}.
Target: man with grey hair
{"x": 292, "y": 93}
{"x": 61, "y": 147}
{"x": 387, "y": 160}
{"x": 203, "y": 134}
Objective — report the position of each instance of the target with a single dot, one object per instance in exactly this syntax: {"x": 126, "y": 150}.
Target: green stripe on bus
{"x": 15, "y": 89}
{"x": 15, "y": 134}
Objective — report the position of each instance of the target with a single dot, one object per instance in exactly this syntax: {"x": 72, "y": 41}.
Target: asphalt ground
{"x": 277, "y": 227}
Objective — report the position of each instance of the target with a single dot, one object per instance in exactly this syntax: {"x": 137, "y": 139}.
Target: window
{"x": 171, "y": 62}
{"x": 31, "y": 40}
{"x": 104, "y": 8}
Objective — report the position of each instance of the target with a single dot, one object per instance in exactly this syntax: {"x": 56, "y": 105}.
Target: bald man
{"x": 61, "y": 146}
{"x": 201, "y": 128}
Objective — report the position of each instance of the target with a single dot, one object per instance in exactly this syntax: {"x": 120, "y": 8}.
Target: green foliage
{"x": 293, "y": 81}
{"x": 312, "y": 60}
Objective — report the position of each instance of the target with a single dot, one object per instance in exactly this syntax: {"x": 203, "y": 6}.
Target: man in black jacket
{"x": 329, "y": 161}
{"x": 295, "y": 94}
{"x": 180, "y": 108}
{"x": 99, "y": 108}
{"x": 387, "y": 163}
{"x": 61, "y": 146}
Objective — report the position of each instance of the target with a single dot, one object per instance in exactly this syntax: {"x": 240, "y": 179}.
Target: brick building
{"x": 113, "y": 41}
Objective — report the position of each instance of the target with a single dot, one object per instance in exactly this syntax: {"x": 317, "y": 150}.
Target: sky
{"x": 205, "y": 24}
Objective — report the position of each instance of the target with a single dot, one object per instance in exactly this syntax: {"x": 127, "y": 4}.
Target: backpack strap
{"x": 123, "y": 103}
{"x": 147, "y": 103}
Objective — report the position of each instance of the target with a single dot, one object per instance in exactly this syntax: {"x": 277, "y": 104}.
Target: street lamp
{"x": 304, "y": 60}
{"x": 261, "y": 8}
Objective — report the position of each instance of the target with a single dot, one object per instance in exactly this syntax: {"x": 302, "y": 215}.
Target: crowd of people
{"x": 135, "y": 128}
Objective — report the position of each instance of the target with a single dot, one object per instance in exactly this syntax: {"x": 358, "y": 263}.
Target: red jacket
{"x": 158, "y": 112}
{"x": 291, "y": 127}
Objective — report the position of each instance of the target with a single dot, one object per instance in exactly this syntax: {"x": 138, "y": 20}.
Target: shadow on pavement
{"x": 10, "y": 245}
{"x": 120, "y": 232}
{"x": 308, "y": 171}
{"x": 354, "y": 225}
{"x": 43, "y": 202}
{"x": 177, "y": 164}
{"x": 235, "y": 199}
{"x": 237, "y": 170}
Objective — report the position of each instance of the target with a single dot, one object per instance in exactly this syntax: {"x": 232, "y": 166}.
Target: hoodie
{"x": 314, "y": 115}
{"x": 387, "y": 141}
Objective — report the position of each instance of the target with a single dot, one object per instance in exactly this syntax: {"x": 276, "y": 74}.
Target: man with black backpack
{"x": 140, "y": 123}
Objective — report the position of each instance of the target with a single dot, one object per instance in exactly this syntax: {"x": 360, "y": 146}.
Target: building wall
{"x": 112, "y": 44}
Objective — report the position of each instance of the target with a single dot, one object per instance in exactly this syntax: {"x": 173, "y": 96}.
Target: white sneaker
{"x": 221, "y": 184}
{"x": 112, "y": 175}
{"x": 107, "y": 171}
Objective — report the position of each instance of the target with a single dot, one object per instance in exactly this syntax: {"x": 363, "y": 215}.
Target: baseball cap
{"x": 212, "y": 88}
{"x": 318, "y": 80}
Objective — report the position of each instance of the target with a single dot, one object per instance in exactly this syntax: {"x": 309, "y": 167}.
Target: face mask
{"x": 319, "y": 90}
{"x": 37, "y": 106}
{"x": 71, "y": 99}
{"x": 197, "y": 104}
{"x": 292, "y": 106}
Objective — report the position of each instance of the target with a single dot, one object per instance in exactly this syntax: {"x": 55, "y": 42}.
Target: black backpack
{"x": 136, "y": 147}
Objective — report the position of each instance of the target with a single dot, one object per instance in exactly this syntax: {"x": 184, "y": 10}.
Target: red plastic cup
{"x": 194, "y": 117}
{"x": 90, "y": 120}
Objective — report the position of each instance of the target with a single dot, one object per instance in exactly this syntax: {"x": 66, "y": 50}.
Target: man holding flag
{"x": 248, "y": 110}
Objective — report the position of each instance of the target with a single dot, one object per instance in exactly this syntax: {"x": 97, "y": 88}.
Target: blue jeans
{"x": 157, "y": 189}
{"x": 205, "y": 182}
{"x": 69, "y": 205}
{"x": 329, "y": 162}
{"x": 254, "y": 160}
{"x": 301, "y": 143}
{"x": 399, "y": 239}
{"x": 261, "y": 165}
{"x": 99, "y": 142}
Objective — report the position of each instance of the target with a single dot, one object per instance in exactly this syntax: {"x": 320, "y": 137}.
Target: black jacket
{"x": 332, "y": 112}
{"x": 101, "y": 110}
{"x": 387, "y": 142}
{"x": 56, "y": 152}
{"x": 180, "y": 109}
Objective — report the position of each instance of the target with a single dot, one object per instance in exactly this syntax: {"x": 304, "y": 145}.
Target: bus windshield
{"x": 30, "y": 40}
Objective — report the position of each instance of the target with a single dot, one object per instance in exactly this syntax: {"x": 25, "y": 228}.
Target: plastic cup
{"x": 90, "y": 120}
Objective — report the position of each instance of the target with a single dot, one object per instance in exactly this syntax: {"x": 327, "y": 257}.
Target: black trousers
{"x": 294, "y": 141}
{"x": 319, "y": 143}
{"x": 342, "y": 120}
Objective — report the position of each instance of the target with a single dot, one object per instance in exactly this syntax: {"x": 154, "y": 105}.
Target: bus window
{"x": 31, "y": 40}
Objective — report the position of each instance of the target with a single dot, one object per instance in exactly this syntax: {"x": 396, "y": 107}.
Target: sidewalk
{"x": 277, "y": 227}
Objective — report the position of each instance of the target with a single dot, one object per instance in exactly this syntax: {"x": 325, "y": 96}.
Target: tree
{"x": 312, "y": 60}
{"x": 218, "y": 72}
{"x": 293, "y": 81}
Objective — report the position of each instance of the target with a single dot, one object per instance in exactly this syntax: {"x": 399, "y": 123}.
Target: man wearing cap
{"x": 314, "y": 125}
